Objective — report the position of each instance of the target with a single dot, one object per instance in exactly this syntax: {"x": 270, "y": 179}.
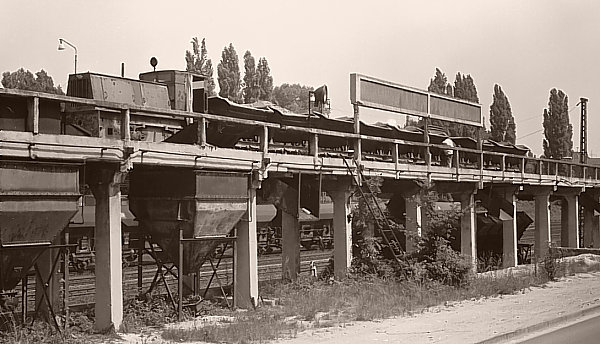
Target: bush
{"x": 551, "y": 264}
{"x": 442, "y": 264}
{"x": 140, "y": 312}
{"x": 369, "y": 261}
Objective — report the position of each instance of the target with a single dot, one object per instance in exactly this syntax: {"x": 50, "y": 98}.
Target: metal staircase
{"x": 390, "y": 239}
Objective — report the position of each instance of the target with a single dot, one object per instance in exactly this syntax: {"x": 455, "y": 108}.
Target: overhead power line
{"x": 531, "y": 133}
{"x": 542, "y": 115}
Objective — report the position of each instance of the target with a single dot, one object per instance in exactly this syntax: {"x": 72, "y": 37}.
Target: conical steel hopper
{"x": 203, "y": 204}
{"x": 37, "y": 200}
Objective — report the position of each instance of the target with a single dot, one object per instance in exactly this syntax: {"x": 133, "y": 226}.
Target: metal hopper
{"x": 37, "y": 200}
{"x": 205, "y": 205}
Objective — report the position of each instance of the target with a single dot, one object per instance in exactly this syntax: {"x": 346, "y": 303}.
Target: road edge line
{"x": 540, "y": 326}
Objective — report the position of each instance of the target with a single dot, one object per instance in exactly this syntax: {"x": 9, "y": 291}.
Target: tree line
{"x": 256, "y": 83}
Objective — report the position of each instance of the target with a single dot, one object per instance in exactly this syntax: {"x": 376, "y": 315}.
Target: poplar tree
{"x": 439, "y": 83}
{"x": 265, "y": 80}
{"x": 197, "y": 61}
{"x": 502, "y": 122}
{"x": 228, "y": 75}
{"x": 251, "y": 87}
{"x": 464, "y": 88}
{"x": 558, "y": 131}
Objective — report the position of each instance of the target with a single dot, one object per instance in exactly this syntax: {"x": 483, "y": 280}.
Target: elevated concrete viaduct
{"x": 194, "y": 205}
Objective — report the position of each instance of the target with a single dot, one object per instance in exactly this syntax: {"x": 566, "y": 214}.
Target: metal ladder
{"x": 381, "y": 221}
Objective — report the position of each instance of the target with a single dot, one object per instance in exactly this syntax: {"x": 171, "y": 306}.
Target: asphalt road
{"x": 584, "y": 332}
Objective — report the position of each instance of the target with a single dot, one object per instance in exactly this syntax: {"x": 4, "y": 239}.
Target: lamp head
{"x": 61, "y": 46}
{"x": 321, "y": 95}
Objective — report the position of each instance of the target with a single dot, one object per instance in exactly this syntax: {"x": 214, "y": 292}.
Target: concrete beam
{"x": 468, "y": 227}
{"x": 290, "y": 246}
{"x": 569, "y": 235}
{"x": 342, "y": 229}
{"x": 413, "y": 223}
{"x": 105, "y": 185}
{"x": 246, "y": 257}
{"x": 542, "y": 223}
{"x": 591, "y": 229}
{"x": 509, "y": 231}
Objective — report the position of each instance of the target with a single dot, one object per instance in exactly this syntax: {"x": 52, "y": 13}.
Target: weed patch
{"x": 258, "y": 327}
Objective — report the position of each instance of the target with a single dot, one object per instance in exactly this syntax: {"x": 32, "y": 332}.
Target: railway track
{"x": 82, "y": 285}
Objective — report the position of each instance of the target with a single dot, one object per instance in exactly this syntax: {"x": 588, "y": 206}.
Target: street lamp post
{"x": 61, "y": 46}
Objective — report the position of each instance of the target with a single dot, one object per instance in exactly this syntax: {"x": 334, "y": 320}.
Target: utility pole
{"x": 583, "y": 133}
{"x": 582, "y": 160}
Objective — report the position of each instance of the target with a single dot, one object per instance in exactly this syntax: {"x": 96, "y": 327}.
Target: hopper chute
{"x": 37, "y": 200}
{"x": 204, "y": 205}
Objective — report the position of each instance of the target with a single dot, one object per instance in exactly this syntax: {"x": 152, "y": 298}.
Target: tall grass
{"x": 257, "y": 327}
{"x": 358, "y": 299}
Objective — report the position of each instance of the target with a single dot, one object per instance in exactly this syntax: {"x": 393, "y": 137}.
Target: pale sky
{"x": 528, "y": 47}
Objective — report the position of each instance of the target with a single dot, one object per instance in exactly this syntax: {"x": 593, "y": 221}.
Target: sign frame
{"x": 355, "y": 97}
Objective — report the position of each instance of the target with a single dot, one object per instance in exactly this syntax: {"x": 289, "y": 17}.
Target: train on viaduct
{"x": 194, "y": 169}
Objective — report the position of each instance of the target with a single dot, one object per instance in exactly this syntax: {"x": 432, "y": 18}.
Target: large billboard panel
{"x": 384, "y": 95}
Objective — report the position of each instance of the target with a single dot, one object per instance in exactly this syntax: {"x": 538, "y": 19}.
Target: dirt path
{"x": 469, "y": 321}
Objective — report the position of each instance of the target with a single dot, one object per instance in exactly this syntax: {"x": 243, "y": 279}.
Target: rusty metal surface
{"x": 37, "y": 200}
{"x": 179, "y": 88}
{"x": 23, "y": 225}
{"x": 221, "y": 185}
{"x": 13, "y": 114}
{"x": 166, "y": 235}
{"x": 217, "y": 218}
{"x": 281, "y": 194}
{"x": 120, "y": 90}
{"x": 13, "y": 263}
{"x": 23, "y": 177}
{"x": 201, "y": 203}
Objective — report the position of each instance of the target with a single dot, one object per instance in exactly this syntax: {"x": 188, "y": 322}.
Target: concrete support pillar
{"x": 246, "y": 257}
{"x": 468, "y": 228}
{"x": 590, "y": 228}
{"x": 413, "y": 224}
{"x": 290, "y": 246}
{"x": 44, "y": 265}
{"x": 509, "y": 233}
{"x": 542, "y": 224}
{"x": 342, "y": 232}
{"x": 105, "y": 185}
{"x": 569, "y": 235}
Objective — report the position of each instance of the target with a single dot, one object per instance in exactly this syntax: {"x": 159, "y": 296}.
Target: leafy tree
{"x": 197, "y": 61}
{"x": 265, "y": 80}
{"x": 251, "y": 88}
{"x": 558, "y": 132}
{"x": 292, "y": 97}
{"x": 228, "y": 75}
{"x": 502, "y": 122}
{"x": 25, "y": 80}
